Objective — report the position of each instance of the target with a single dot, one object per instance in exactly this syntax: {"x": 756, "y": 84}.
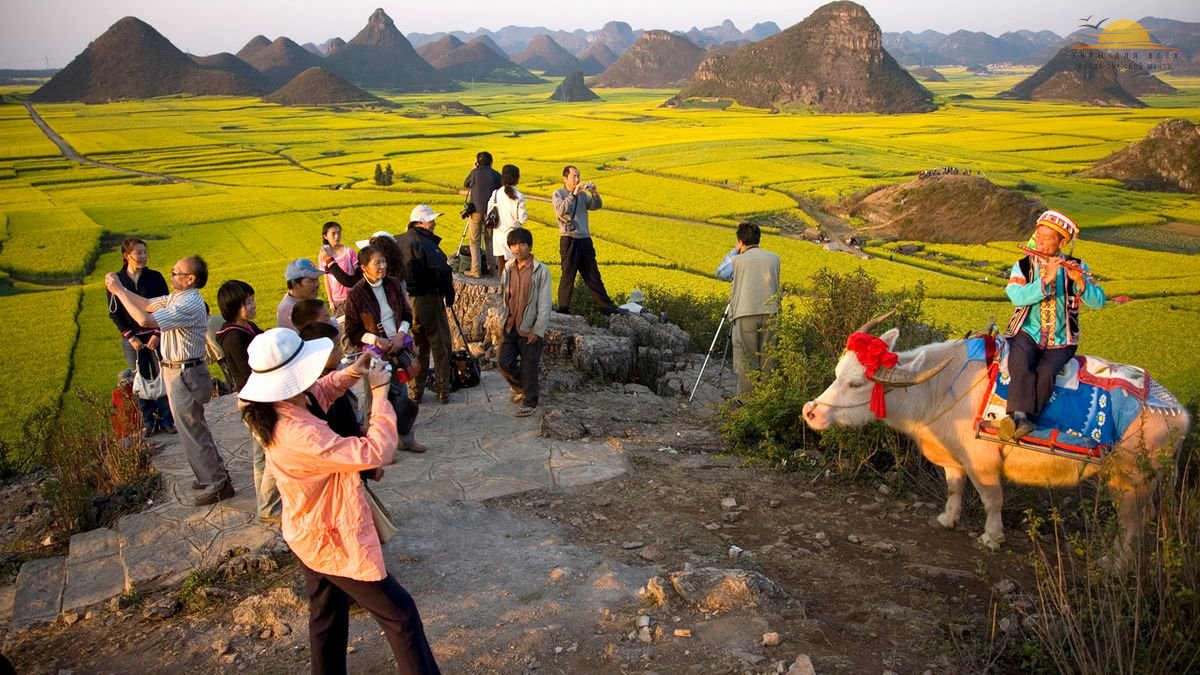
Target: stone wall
{"x": 630, "y": 349}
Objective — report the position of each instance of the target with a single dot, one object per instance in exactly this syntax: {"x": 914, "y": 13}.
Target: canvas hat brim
{"x": 296, "y": 375}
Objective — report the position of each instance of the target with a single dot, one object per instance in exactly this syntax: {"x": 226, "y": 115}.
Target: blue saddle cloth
{"x": 1093, "y": 403}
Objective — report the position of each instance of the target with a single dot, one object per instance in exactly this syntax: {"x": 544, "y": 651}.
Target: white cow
{"x": 933, "y": 394}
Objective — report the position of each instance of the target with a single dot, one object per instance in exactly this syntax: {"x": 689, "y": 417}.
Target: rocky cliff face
{"x": 833, "y": 62}
{"x": 1167, "y": 159}
{"x": 572, "y": 90}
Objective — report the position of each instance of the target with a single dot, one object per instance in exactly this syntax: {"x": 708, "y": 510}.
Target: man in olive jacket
{"x": 431, "y": 286}
{"x": 753, "y": 301}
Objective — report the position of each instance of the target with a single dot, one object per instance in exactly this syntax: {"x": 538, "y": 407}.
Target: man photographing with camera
{"x": 482, "y": 182}
{"x": 571, "y": 204}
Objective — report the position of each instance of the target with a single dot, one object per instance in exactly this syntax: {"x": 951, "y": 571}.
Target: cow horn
{"x": 901, "y": 377}
{"x": 874, "y": 323}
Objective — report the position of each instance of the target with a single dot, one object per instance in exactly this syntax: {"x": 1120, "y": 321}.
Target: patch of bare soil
{"x": 648, "y": 572}
{"x": 24, "y": 524}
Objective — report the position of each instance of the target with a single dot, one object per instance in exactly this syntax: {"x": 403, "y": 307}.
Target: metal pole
{"x": 709, "y": 354}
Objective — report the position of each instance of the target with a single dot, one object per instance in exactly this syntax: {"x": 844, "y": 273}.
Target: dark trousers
{"x": 1033, "y": 370}
{"x": 431, "y": 334}
{"x": 406, "y": 408}
{"x": 389, "y": 604}
{"x": 519, "y": 362}
{"x": 156, "y": 414}
{"x": 579, "y": 255}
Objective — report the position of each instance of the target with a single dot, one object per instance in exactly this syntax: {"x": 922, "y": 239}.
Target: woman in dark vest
{"x": 379, "y": 315}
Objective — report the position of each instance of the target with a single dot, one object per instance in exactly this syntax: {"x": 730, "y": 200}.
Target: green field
{"x": 248, "y": 185}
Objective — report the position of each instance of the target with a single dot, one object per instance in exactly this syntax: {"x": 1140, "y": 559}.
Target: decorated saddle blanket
{"x": 1093, "y": 404}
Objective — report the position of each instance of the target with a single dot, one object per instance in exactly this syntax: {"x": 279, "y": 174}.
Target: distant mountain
{"x": 474, "y": 62}
{"x": 617, "y": 35}
{"x": 312, "y": 49}
{"x": 761, "y": 31}
{"x": 318, "y": 87}
{"x": 658, "y": 59}
{"x": 1067, "y": 77}
{"x": 1167, "y": 159}
{"x": 281, "y": 60}
{"x": 256, "y": 43}
{"x": 546, "y": 55}
{"x": 832, "y": 62}
{"x": 331, "y": 45}
{"x": 928, "y": 75}
{"x": 573, "y": 90}
{"x": 596, "y": 58}
{"x": 1182, "y": 34}
{"x": 380, "y": 57}
{"x": 488, "y": 42}
{"x": 232, "y": 64}
{"x": 132, "y": 60}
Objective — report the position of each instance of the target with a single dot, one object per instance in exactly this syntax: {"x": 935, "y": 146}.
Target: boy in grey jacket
{"x": 525, "y": 288}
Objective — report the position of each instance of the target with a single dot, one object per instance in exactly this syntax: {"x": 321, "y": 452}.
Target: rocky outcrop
{"x": 831, "y": 62}
{"x": 657, "y": 59}
{"x": 573, "y": 90}
{"x": 1167, "y": 159}
{"x": 948, "y": 208}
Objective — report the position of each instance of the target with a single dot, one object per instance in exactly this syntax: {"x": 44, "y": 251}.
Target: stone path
{"x": 477, "y": 450}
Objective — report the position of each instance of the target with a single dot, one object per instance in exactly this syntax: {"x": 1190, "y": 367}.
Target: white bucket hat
{"x": 636, "y": 295}
{"x": 283, "y": 365}
{"x": 382, "y": 233}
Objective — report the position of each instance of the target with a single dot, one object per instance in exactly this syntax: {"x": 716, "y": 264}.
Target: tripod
{"x": 707, "y": 356}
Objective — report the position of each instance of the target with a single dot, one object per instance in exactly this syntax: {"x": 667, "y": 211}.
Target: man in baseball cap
{"x": 431, "y": 285}
{"x": 301, "y": 277}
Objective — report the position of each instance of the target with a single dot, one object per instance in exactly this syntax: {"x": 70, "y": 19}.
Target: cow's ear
{"x": 890, "y": 338}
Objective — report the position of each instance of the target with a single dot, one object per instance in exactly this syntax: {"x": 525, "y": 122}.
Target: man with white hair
{"x": 431, "y": 286}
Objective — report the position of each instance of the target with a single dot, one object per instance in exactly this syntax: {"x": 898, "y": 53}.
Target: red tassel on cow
{"x": 873, "y": 354}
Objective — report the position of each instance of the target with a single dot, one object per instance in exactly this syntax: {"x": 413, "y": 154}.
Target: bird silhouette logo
{"x": 1093, "y": 26}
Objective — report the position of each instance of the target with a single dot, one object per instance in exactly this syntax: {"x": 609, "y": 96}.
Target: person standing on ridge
{"x": 481, "y": 182}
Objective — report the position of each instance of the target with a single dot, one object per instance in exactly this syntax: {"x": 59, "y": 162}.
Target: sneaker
{"x": 525, "y": 411}
{"x": 213, "y": 494}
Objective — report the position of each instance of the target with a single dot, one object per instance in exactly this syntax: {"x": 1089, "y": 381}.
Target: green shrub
{"x": 767, "y": 426}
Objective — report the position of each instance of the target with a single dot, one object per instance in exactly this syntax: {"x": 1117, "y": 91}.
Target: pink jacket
{"x": 326, "y": 519}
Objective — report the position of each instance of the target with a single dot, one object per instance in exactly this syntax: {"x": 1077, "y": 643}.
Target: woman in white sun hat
{"x": 327, "y": 520}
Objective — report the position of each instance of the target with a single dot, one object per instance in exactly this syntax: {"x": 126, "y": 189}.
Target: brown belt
{"x": 183, "y": 365}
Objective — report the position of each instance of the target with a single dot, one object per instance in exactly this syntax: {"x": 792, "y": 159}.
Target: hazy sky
{"x": 36, "y": 32}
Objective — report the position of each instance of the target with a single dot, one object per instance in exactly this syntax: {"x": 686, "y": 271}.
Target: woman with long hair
{"x": 139, "y": 344}
{"x": 333, "y": 250}
{"x": 327, "y": 518}
{"x": 510, "y": 205}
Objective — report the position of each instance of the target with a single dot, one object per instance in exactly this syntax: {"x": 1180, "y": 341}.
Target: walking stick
{"x": 709, "y": 354}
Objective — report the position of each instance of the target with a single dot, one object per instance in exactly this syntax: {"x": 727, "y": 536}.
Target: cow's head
{"x": 847, "y": 402}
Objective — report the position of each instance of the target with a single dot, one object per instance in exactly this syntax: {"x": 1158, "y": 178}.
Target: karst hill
{"x": 832, "y": 62}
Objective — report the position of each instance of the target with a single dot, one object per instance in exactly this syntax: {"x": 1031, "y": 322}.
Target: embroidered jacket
{"x": 1048, "y": 309}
